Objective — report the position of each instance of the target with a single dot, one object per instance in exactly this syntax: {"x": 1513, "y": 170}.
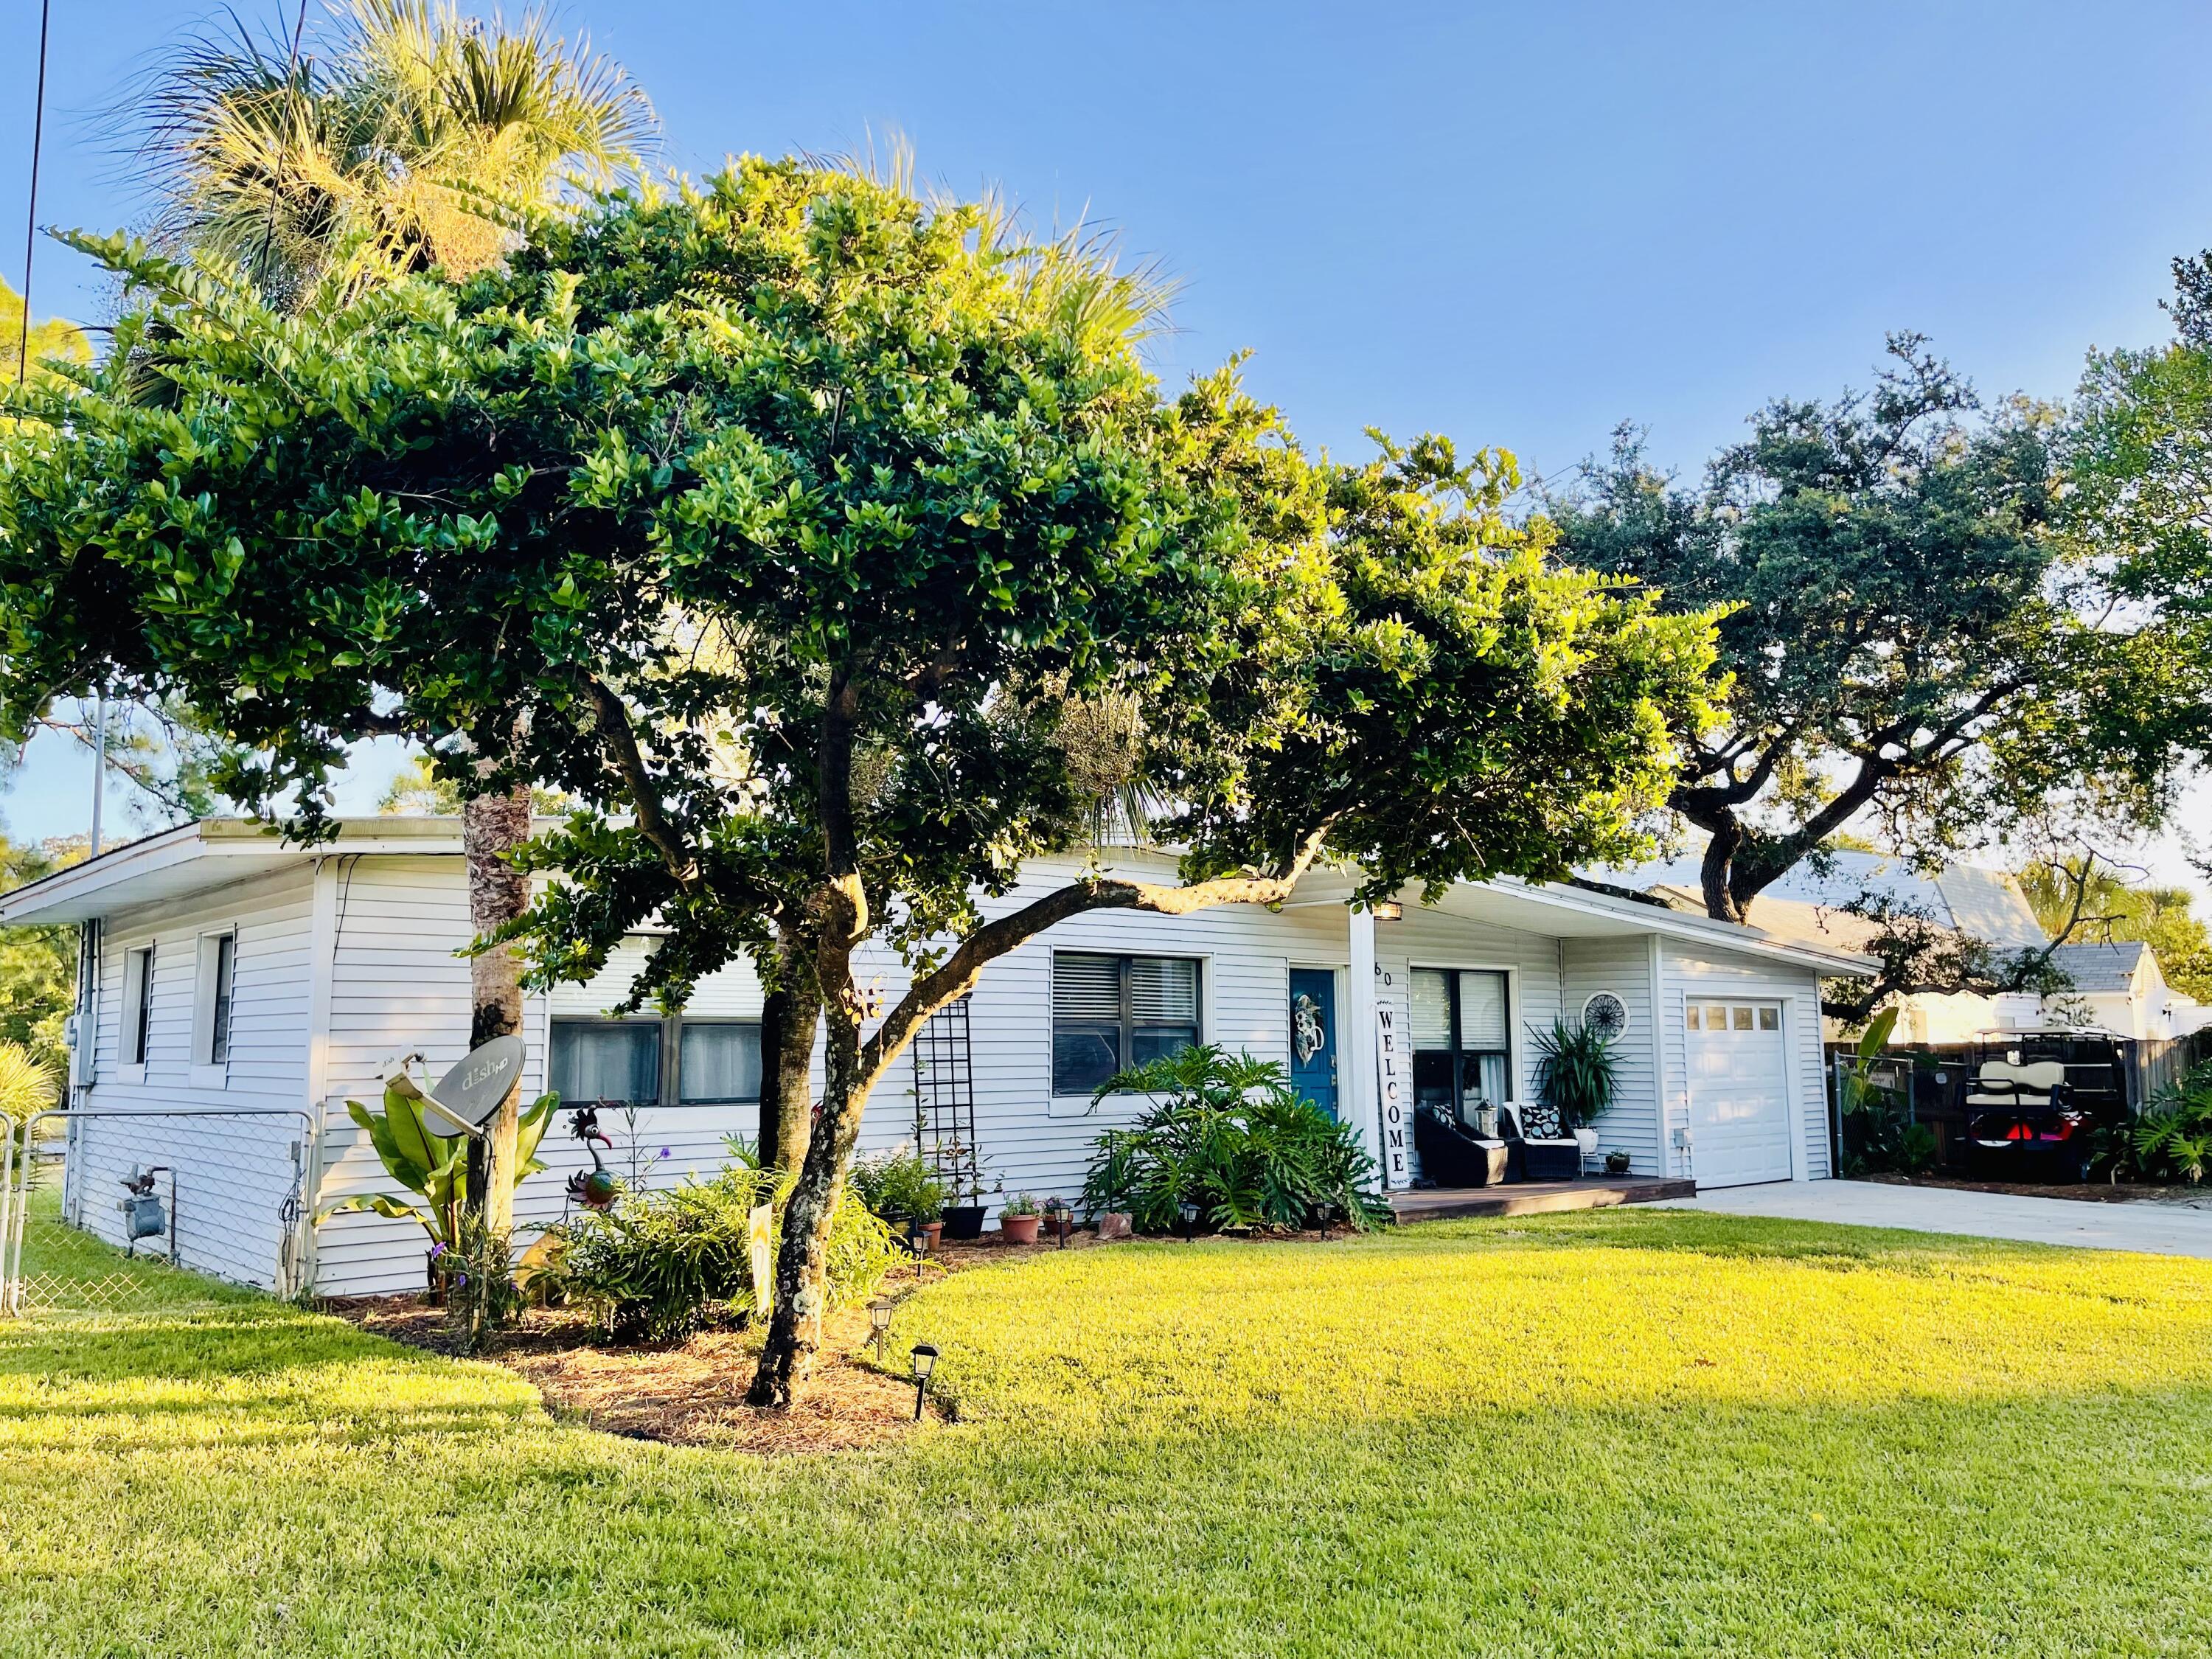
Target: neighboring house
{"x": 2117, "y": 985}
{"x": 230, "y": 970}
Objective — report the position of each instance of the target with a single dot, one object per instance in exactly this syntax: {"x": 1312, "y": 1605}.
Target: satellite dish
{"x": 1606, "y": 1014}
{"x": 470, "y": 1093}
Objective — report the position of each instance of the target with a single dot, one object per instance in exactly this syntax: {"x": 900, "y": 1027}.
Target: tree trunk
{"x": 790, "y": 1016}
{"x": 493, "y": 826}
{"x": 1723, "y": 841}
{"x": 795, "y": 1331}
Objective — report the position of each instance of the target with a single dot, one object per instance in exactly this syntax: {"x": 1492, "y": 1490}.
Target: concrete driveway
{"x": 2166, "y": 1228}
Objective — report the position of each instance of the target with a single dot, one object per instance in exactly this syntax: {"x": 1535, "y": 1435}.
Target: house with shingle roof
{"x": 2117, "y": 985}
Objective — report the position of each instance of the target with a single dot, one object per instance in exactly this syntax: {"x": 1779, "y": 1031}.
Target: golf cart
{"x": 2037, "y": 1098}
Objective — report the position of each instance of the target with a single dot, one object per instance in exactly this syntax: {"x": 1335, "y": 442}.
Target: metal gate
{"x": 112, "y": 1209}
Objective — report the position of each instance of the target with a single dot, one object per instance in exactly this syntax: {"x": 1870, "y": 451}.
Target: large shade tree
{"x": 1904, "y": 647}
{"x": 2140, "y": 458}
{"x": 397, "y": 136}
{"x": 839, "y": 554}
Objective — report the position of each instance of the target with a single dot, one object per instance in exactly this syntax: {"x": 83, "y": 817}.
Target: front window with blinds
{"x": 1110, "y": 1013}
{"x": 1462, "y": 1039}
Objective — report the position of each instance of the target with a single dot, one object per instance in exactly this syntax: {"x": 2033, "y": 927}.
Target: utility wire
{"x": 31, "y": 229}
{"x": 291, "y": 91}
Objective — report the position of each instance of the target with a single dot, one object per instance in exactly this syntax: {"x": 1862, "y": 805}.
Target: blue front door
{"x": 1313, "y": 1035}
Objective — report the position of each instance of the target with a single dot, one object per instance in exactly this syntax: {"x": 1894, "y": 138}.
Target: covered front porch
{"x": 1445, "y": 1007}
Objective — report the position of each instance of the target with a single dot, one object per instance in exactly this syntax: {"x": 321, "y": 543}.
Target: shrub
{"x": 1230, "y": 1136}
{"x": 660, "y": 1265}
{"x": 899, "y": 1186}
{"x": 2173, "y": 1142}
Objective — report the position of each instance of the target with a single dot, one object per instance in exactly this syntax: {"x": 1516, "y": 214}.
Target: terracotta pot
{"x": 933, "y": 1232}
{"x": 1115, "y": 1224}
{"x": 1020, "y": 1229}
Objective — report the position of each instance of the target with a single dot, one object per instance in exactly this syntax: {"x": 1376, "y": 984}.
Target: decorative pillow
{"x": 1539, "y": 1120}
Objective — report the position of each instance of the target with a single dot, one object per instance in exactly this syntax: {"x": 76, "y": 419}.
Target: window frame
{"x": 671, "y": 1088}
{"x": 135, "y": 1030}
{"x": 1126, "y": 1026}
{"x": 657, "y": 1024}
{"x": 668, "y": 1079}
{"x": 212, "y": 1000}
{"x": 1460, "y": 1053}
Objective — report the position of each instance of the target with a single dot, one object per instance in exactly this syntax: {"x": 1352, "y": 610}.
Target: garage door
{"x": 1739, "y": 1092}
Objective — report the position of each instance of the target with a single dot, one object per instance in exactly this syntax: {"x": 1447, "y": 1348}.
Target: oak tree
{"x": 839, "y": 554}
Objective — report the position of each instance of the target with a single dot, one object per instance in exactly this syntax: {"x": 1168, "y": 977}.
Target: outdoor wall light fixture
{"x": 925, "y": 1362}
{"x": 1389, "y": 910}
{"x": 879, "y": 1319}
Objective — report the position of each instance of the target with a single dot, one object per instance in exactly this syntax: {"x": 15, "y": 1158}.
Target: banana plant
{"x": 432, "y": 1166}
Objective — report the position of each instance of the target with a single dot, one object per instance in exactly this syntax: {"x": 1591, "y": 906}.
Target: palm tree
{"x": 409, "y": 136}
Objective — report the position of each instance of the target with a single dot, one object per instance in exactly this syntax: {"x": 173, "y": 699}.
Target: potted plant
{"x": 900, "y": 1187}
{"x": 964, "y": 1217}
{"x": 1059, "y": 1218}
{"x": 1577, "y": 1076}
{"x": 1019, "y": 1218}
{"x": 1616, "y": 1162}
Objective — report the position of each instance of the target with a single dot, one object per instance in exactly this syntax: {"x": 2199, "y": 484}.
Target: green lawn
{"x": 1614, "y": 1433}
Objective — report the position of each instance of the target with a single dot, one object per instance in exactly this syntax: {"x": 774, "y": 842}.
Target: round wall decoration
{"x": 1606, "y": 1013}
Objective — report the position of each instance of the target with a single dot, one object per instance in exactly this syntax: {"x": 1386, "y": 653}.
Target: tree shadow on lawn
{"x": 1422, "y": 1444}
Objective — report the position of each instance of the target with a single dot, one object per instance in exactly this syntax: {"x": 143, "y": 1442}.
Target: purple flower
{"x": 664, "y": 1151}
{"x": 437, "y": 1250}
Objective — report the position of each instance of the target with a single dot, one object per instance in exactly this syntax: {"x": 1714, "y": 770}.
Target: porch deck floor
{"x": 1531, "y": 1197}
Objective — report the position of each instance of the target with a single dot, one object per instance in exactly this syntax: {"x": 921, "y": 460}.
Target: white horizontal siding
{"x": 1687, "y": 971}
{"x": 234, "y": 1173}
{"x": 1622, "y": 966}
{"x": 399, "y": 985}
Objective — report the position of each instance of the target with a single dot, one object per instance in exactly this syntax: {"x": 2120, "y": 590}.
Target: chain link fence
{"x": 204, "y": 1205}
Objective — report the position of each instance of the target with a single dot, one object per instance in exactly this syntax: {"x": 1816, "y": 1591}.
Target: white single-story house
{"x": 227, "y": 973}
{"x": 2116, "y": 985}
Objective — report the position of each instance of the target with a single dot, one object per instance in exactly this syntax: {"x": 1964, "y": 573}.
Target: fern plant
{"x": 2173, "y": 1142}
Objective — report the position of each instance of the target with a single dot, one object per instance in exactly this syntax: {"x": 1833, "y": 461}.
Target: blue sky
{"x": 1516, "y": 226}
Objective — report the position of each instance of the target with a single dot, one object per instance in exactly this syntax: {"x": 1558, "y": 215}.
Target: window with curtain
{"x": 604, "y": 1060}
{"x": 1113, "y": 1011}
{"x": 1461, "y": 1026}
{"x": 717, "y": 1061}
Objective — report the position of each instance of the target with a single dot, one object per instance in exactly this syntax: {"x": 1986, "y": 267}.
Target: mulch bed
{"x": 2092, "y": 1192}
{"x": 692, "y": 1393}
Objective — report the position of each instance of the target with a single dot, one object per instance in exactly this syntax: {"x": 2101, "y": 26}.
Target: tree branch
{"x": 958, "y": 973}
{"x": 620, "y": 744}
